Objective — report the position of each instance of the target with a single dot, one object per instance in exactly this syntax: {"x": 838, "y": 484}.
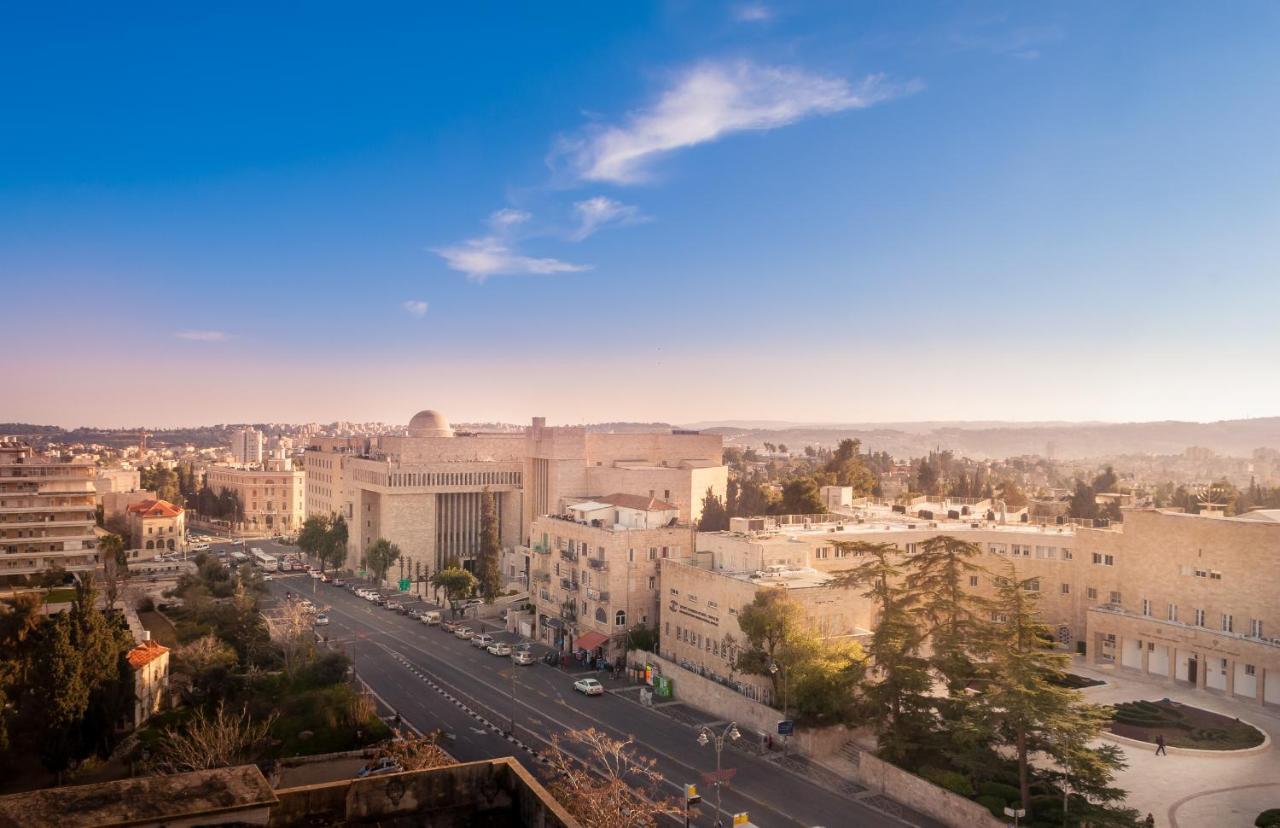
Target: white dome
{"x": 429, "y": 424}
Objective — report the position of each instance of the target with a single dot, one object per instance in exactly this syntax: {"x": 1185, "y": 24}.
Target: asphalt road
{"x": 436, "y": 681}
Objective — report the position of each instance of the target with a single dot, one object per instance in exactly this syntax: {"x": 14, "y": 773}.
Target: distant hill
{"x": 1235, "y": 438}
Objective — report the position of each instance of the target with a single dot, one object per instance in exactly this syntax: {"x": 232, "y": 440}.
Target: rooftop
{"x": 145, "y": 653}
{"x": 154, "y": 508}
{"x": 639, "y": 502}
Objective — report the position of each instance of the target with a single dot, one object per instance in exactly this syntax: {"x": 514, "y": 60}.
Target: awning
{"x": 589, "y": 640}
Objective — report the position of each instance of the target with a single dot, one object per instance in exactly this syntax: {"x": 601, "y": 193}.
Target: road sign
{"x": 721, "y": 776}
{"x": 741, "y": 819}
{"x": 662, "y": 687}
{"x": 404, "y": 584}
{"x": 691, "y": 796}
{"x": 786, "y": 727}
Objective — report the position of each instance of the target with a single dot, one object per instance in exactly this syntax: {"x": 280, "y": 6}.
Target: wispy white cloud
{"x": 710, "y": 101}
{"x": 599, "y": 212}
{"x": 415, "y": 307}
{"x": 506, "y": 218}
{"x": 487, "y": 256}
{"x": 752, "y": 13}
{"x": 201, "y": 336}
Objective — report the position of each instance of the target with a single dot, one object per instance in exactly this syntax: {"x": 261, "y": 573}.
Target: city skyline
{"x": 752, "y": 210}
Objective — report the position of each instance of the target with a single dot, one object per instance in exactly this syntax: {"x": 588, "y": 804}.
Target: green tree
{"x": 800, "y": 496}
{"x": 1083, "y": 504}
{"x": 115, "y": 565}
{"x": 489, "y": 575}
{"x": 1032, "y": 712}
{"x": 1012, "y": 495}
{"x": 715, "y": 517}
{"x": 753, "y": 498}
{"x": 898, "y": 690}
{"x": 63, "y": 697}
{"x": 847, "y": 465}
{"x": 313, "y": 538}
{"x": 457, "y": 585}
{"x": 1106, "y": 481}
{"x": 380, "y": 556}
{"x": 926, "y": 477}
{"x": 335, "y": 549}
{"x": 953, "y": 618}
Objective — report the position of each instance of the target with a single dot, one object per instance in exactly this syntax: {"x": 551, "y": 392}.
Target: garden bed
{"x": 1182, "y": 726}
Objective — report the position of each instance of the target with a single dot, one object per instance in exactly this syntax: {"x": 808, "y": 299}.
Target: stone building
{"x": 272, "y": 494}
{"x": 595, "y": 574}
{"x": 158, "y": 525}
{"x": 246, "y": 446}
{"x": 1188, "y": 597}
{"x": 423, "y": 490}
{"x": 46, "y": 513}
{"x": 149, "y": 662}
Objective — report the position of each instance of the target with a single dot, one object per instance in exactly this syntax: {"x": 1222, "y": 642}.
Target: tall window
{"x": 1146, "y": 606}
{"x": 1255, "y": 627}
{"x": 1228, "y": 623}
{"x": 1199, "y": 617}
{"x": 620, "y": 618}
{"x": 1173, "y": 612}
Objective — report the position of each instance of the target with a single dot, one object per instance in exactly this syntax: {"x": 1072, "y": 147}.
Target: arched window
{"x": 170, "y": 544}
{"x": 600, "y": 616}
{"x": 620, "y": 618}
{"x": 151, "y": 544}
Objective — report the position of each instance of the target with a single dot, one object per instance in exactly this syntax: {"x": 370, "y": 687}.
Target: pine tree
{"x": 952, "y": 616}
{"x": 898, "y": 693}
{"x": 1032, "y": 712}
{"x": 490, "y": 549}
{"x": 715, "y": 517}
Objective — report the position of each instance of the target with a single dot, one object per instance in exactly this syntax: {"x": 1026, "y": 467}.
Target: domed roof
{"x": 429, "y": 424}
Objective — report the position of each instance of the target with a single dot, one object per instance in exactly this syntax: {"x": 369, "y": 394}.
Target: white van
{"x": 431, "y": 617}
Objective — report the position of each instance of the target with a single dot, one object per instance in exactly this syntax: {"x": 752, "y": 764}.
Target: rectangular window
{"x": 1250, "y": 670}
{"x": 1091, "y": 593}
{"x": 1032, "y": 585}
{"x": 653, "y": 553}
{"x": 973, "y": 580}
{"x": 1104, "y": 560}
{"x": 1228, "y": 623}
{"x": 653, "y": 582}
{"x": 1115, "y": 598}
{"x": 1255, "y": 627}
{"x": 631, "y": 555}
{"x": 1199, "y": 615}
{"x": 1173, "y": 612}
{"x": 1066, "y": 589}
{"x": 1066, "y": 554}
{"x": 1146, "y": 606}
{"x": 675, "y": 591}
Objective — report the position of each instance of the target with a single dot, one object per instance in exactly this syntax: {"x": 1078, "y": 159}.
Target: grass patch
{"x": 1182, "y": 726}
{"x": 61, "y": 595}
{"x": 161, "y": 628}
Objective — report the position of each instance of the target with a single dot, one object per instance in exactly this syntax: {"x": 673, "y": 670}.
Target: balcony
{"x": 542, "y": 577}
{"x": 598, "y": 563}
{"x": 569, "y": 555}
{"x": 568, "y": 585}
{"x": 541, "y": 549}
{"x": 597, "y": 595}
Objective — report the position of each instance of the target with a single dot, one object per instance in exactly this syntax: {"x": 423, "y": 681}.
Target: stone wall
{"x": 922, "y": 795}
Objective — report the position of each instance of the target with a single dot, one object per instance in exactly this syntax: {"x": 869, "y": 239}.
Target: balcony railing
{"x": 542, "y": 577}
{"x": 597, "y": 595}
{"x": 566, "y": 584}
{"x": 597, "y": 563}
{"x": 541, "y": 549}
{"x": 569, "y": 555}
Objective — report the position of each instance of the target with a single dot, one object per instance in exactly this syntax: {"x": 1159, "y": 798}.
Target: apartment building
{"x": 595, "y": 573}
{"x": 46, "y": 513}
{"x": 246, "y": 446}
{"x": 1187, "y": 597}
{"x": 272, "y": 495}
{"x": 423, "y": 490}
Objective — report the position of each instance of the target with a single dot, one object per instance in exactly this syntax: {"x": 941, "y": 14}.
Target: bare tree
{"x": 419, "y": 753}
{"x": 216, "y": 741}
{"x": 290, "y": 627}
{"x": 604, "y": 783}
{"x": 205, "y": 652}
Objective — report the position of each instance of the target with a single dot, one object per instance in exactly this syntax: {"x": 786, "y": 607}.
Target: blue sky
{"x": 677, "y": 211}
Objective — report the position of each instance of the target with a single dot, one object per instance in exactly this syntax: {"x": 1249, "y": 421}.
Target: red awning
{"x": 589, "y": 641}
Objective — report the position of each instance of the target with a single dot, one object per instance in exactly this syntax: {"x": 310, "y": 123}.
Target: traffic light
{"x": 691, "y": 796}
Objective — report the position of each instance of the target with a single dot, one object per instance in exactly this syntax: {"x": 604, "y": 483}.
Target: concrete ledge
{"x": 1180, "y": 751}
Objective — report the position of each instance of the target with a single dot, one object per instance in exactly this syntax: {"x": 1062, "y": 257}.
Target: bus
{"x": 264, "y": 561}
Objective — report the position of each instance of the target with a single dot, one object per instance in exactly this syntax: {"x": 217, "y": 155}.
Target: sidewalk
{"x": 1183, "y": 791}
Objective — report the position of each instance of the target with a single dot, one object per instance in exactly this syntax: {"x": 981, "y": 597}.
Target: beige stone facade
{"x": 595, "y": 573}
{"x": 157, "y": 525}
{"x": 273, "y": 495}
{"x": 46, "y": 513}
{"x": 1190, "y": 597}
{"x": 423, "y": 490}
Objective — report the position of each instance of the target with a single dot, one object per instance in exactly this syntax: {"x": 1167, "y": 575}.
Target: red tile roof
{"x": 644, "y": 504}
{"x": 145, "y": 653}
{"x": 155, "y": 508}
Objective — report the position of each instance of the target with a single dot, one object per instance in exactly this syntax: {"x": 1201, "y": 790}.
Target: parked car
{"x": 314, "y": 573}
{"x": 449, "y": 626}
{"x": 321, "y": 620}
{"x": 483, "y": 640}
{"x": 384, "y": 765}
{"x": 589, "y": 687}
{"x": 429, "y": 617}
{"x": 523, "y": 657}
{"x": 268, "y": 577}
{"x": 338, "y": 582}
{"x": 390, "y": 603}
{"x": 499, "y": 648}
{"x": 463, "y": 632}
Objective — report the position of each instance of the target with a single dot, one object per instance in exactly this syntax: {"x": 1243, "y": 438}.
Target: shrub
{"x": 147, "y": 605}
{"x": 1007, "y": 793}
{"x": 994, "y": 804}
{"x": 327, "y": 669}
{"x": 1268, "y": 818}
{"x": 953, "y": 781}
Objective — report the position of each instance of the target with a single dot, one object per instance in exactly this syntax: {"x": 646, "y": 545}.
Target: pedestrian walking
{"x": 1160, "y": 745}
{"x": 1150, "y": 821}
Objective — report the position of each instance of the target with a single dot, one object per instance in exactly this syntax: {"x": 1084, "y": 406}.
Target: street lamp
{"x": 707, "y": 736}
{"x": 773, "y": 671}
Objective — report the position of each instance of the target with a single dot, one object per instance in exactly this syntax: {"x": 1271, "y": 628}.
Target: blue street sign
{"x": 786, "y": 727}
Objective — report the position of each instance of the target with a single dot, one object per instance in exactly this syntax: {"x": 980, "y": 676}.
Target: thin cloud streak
{"x": 201, "y": 336}
{"x": 491, "y": 256}
{"x": 752, "y": 13}
{"x": 600, "y": 212}
{"x": 415, "y": 307}
{"x": 710, "y": 101}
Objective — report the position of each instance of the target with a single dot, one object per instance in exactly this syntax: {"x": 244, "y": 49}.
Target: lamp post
{"x": 773, "y": 670}
{"x": 707, "y": 736}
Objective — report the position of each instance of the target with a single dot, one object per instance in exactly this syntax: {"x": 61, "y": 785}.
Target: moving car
{"x": 338, "y": 582}
{"x": 483, "y": 640}
{"x": 589, "y": 687}
{"x": 463, "y": 632}
{"x": 268, "y": 577}
{"x": 499, "y": 648}
{"x": 429, "y": 617}
{"x": 522, "y": 657}
{"x": 390, "y": 603}
{"x": 321, "y": 620}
